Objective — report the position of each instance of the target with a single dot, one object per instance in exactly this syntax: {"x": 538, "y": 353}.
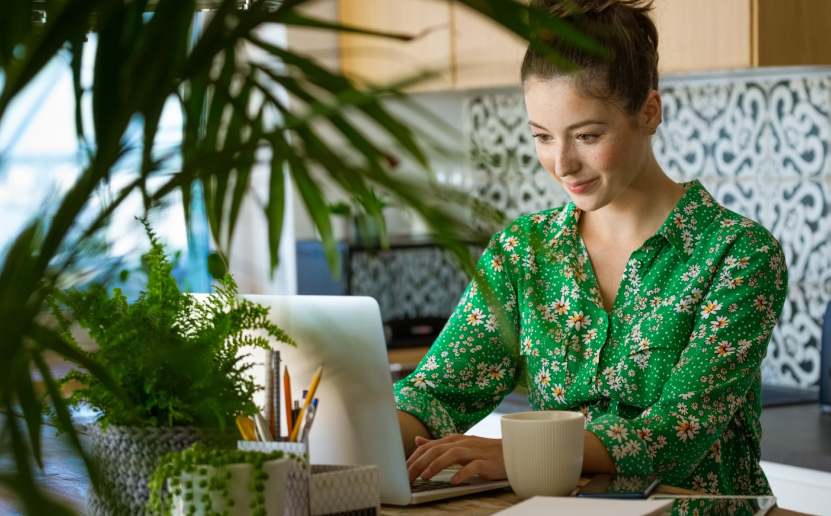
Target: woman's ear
{"x": 652, "y": 112}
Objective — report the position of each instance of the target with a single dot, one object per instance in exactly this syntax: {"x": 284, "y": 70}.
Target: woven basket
{"x": 126, "y": 456}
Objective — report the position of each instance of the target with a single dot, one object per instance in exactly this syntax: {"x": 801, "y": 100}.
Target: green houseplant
{"x": 178, "y": 363}
{"x": 139, "y": 63}
{"x": 207, "y": 482}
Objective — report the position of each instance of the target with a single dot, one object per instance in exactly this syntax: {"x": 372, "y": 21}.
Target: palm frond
{"x": 233, "y": 123}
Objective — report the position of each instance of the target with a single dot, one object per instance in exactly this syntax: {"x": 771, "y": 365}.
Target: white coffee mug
{"x": 543, "y": 451}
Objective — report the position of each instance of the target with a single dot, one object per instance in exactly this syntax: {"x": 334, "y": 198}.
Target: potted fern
{"x": 178, "y": 363}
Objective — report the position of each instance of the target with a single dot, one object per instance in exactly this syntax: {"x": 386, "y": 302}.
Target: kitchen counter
{"x": 797, "y": 435}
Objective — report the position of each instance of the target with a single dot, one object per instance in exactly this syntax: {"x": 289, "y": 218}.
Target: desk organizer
{"x": 323, "y": 490}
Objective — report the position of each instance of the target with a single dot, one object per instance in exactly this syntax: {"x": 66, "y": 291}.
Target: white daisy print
{"x": 724, "y": 349}
{"x": 496, "y": 372}
{"x": 710, "y": 308}
{"x": 687, "y": 429}
{"x": 562, "y": 306}
{"x": 491, "y": 325}
{"x": 559, "y": 393}
{"x": 720, "y": 322}
{"x": 497, "y": 262}
{"x": 420, "y": 380}
{"x": 589, "y": 336}
{"x": 476, "y": 317}
{"x": 543, "y": 378}
{"x": 578, "y": 321}
{"x": 618, "y": 431}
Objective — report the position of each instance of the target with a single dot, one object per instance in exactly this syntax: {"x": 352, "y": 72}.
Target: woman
{"x": 643, "y": 303}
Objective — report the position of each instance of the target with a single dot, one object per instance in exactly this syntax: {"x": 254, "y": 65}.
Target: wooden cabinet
{"x": 382, "y": 60}
{"x": 485, "y": 54}
{"x": 697, "y": 35}
{"x": 473, "y": 52}
{"x": 792, "y": 32}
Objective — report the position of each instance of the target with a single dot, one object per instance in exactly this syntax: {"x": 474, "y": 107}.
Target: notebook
{"x": 545, "y": 505}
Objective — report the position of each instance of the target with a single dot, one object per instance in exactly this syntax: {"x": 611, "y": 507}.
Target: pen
{"x": 314, "y": 401}
{"x": 307, "y": 426}
{"x": 309, "y": 398}
{"x": 287, "y": 389}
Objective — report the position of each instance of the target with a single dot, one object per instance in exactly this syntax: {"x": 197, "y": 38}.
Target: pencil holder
{"x": 297, "y": 480}
{"x": 322, "y": 490}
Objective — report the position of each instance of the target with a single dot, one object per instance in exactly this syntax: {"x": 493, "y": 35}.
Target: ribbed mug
{"x": 543, "y": 451}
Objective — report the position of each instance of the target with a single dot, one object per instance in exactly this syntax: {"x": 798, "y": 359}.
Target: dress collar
{"x": 691, "y": 216}
{"x": 682, "y": 229}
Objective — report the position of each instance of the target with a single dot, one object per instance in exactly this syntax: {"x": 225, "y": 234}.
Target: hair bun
{"x": 565, "y": 8}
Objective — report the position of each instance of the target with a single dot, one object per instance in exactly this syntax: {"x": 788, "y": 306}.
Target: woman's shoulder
{"x": 743, "y": 232}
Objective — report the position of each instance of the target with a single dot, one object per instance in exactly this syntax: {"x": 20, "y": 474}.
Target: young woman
{"x": 643, "y": 303}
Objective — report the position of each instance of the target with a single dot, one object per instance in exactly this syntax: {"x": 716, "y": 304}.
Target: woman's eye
{"x": 542, "y": 137}
{"x": 586, "y": 137}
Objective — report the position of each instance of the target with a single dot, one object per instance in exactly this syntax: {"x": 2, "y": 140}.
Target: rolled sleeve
{"x": 620, "y": 437}
{"x": 473, "y": 363}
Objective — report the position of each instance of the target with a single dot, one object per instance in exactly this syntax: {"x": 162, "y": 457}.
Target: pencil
{"x": 287, "y": 389}
{"x": 275, "y": 407}
{"x": 309, "y": 397}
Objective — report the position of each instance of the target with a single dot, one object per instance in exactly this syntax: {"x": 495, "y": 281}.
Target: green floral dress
{"x": 669, "y": 380}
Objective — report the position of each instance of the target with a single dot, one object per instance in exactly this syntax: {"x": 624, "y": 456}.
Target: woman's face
{"x": 592, "y": 148}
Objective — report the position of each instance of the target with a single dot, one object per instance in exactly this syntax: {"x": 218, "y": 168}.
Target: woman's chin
{"x": 588, "y": 202}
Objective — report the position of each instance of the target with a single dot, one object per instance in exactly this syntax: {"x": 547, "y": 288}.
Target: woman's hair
{"x": 628, "y": 70}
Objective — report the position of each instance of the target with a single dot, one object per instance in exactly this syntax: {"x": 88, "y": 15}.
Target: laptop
{"x": 357, "y": 421}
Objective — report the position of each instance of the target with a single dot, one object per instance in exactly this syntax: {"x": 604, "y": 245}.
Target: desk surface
{"x": 65, "y": 479}
{"x": 491, "y": 502}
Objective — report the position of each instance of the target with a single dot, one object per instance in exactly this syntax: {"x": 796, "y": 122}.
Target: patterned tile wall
{"x": 758, "y": 140}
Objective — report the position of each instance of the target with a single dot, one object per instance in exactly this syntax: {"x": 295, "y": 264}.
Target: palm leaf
{"x": 139, "y": 64}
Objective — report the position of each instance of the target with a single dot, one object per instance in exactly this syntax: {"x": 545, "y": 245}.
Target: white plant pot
{"x": 238, "y": 489}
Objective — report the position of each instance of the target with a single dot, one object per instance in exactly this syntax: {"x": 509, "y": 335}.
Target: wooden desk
{"x": 65, "y": 479}
{"x": 407, "y": 357}
{"x": 491, "y": 502}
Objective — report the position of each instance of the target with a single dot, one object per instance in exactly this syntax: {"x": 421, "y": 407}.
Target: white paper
{"x": 567, "y": 505}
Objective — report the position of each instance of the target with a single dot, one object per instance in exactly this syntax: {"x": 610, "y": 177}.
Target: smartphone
{"x": 620, "y": 486}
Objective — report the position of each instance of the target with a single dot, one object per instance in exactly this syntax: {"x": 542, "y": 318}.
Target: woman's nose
{"x": 563, "y": 159}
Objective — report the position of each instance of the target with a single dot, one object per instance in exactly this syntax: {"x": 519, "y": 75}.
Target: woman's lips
{"x": 580, "y": 188}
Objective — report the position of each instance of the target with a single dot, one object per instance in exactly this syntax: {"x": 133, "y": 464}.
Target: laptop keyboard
{"x": 421, "y": 485}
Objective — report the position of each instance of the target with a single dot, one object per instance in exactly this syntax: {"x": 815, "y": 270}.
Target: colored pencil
{"x": 275, "y": 408}
{"x": 309, "y": 397}
{"x": 287, "y": 394}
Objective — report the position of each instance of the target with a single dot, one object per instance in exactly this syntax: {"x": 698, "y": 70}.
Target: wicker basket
{"x": 322, "y": 490}
{"x": 126, "y": 456}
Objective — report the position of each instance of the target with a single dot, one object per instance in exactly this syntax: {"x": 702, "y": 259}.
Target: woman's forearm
{"x": 596, "y": 458}
{"x": 411, "y": 428}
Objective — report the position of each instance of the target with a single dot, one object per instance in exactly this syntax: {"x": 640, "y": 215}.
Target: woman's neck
{"x": 637, "y": 213}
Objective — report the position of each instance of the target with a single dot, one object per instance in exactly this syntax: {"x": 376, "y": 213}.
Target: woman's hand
{"x": 478, "y": 455}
